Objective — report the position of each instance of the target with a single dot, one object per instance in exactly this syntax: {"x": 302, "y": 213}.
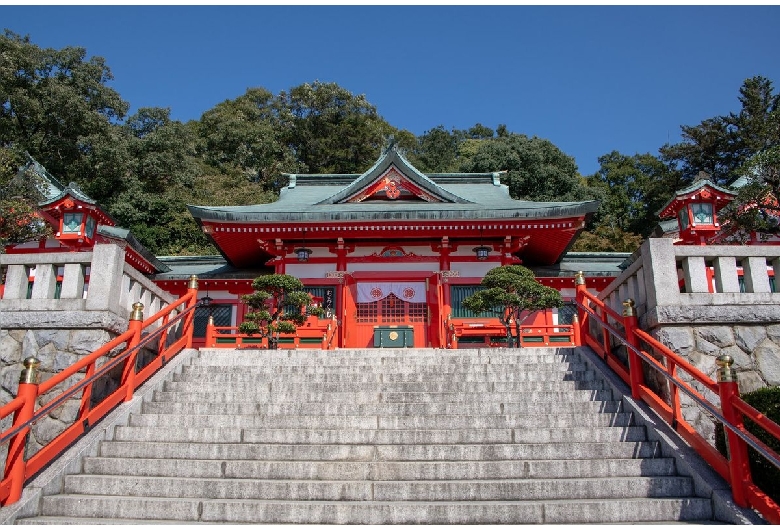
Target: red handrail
{"x": 325, "y": 331}
{"x": 17, "y": 469}
{"x": 734, "y": 468}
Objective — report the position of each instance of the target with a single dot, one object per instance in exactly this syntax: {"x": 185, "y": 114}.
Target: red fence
{"x": 612, "y": 328}
{"x": 141, "y": 333}
{"x": 317, "y": 333}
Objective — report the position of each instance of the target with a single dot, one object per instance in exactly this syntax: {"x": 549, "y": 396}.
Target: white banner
{"x": 413, "y": 292}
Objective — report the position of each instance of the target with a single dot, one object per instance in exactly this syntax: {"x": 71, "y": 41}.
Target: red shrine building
{"x": 394, "y": 246}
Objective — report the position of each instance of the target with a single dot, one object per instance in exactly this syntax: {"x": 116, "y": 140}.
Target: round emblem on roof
{"x": 392, "y": 190}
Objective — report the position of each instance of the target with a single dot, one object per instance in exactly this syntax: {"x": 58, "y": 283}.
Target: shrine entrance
{"x": 385, "y": 305}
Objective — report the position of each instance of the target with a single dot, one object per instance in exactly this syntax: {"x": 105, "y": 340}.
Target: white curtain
{"x": 413, "y": 292}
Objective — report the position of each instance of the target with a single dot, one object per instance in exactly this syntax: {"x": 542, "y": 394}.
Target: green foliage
{"x": 631, "y": 189}
{"x": 54, "y": 103}
{"x": 511, "y": 294}
{"x": 19, "y": 195}
{"x": 279, "y": 304}
{"x": 537, "y": 169}
{"x": 721, "y": 145}
{"x": 765, "y": 475}
{"x": 330, "y": 129}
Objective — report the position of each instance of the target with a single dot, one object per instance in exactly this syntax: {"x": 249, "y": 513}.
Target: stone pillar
{"x": 72, "y": 281}
{"x": 45, "y": 281}
{"x": 755, "y": 275}
{"x": 16, "y": 280}
{"x": 695, "y": 271}
{"x": 105, "y": 279}
{"x": 726, "y": 277}
{"x": 660, "y": 273}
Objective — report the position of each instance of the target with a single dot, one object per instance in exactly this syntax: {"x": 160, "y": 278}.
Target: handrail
{"x": 734, "y": 468}
{"x": 19, "y": 470}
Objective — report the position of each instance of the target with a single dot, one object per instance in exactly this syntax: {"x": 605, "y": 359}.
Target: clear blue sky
{"x": 589, "y": 79}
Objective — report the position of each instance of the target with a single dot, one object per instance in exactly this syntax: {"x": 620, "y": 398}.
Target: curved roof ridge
{"x": 392, "y": 157}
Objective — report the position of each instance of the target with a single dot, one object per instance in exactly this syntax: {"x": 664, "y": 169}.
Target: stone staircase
{"x": 379, "y": 436}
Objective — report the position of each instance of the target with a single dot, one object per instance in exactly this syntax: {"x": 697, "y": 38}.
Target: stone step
{"x": 379, "y": 471}
{"x": 378, "y": 436}
{"x": 389, "y": 409}
{"x": 379, "y": 360}
{"x": 583, "y": 511}
{"x": 382, "y": 422}
{"x": 381, "y": 453}
{"x": 379, "y": 376}
{"x": 383, "y": 397}
{"x": 295, "y": 388}
{"x": 427, "y": 490}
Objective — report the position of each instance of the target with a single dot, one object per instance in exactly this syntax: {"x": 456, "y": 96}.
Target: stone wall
{"x": 703, "y": 302}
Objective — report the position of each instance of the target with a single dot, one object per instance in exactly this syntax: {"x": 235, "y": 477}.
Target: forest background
{"x": 144, "y": 168}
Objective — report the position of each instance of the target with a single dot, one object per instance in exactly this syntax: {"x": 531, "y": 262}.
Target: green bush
{"x": 765, "y": 475}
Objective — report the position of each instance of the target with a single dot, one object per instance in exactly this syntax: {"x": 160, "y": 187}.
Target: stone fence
{"x": 60, "y": 306}
{"x": 706, "y": 301}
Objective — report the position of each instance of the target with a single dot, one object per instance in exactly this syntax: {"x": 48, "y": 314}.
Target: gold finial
{"x": 30, "y": 371}
{"x": 725, "y": 373}
{"x": 628, "y": 308}
{"x": 193, "y": 282}
{"x": 138, "y": 311}
{"x": 579, "y": 278}
{"x": 211, "y": 320}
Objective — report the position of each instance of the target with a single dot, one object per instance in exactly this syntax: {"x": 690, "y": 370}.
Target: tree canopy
{"x": 278, "y": 304}
{"x": 511, "y": 294}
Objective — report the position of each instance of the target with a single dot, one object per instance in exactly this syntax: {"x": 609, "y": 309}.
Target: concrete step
{"x": 290, "y": 387}
{"x": 561, "y": 373}
{"x": 380, "y": 453}
{"x": 378, "y": 436}
{"x": 381, "y": 421}
{"x": 425, "y": 490}
{"x": 583, "y": 511}
{"x": 379, "y": 471}
{"x": 389, "y": 409}
{"x": 377, "y": 396}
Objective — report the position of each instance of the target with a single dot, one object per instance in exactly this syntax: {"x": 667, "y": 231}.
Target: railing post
{"x": 739, "y": 465}
{"x": 576, "y": 332}
{"x": 128, "y": 375}
{"x": 211, "y": 339}
{"x": 189, "y": 327}
{"x": 579, "y": 282}
{"x": 630, "y": 323}
{"x": 15, "y": 464}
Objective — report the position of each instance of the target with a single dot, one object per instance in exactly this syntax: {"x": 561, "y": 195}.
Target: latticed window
{"x": 393, "y": 309}
{"x": 417, "y": 312}
{"x": 223, "y": 317}
{"x": 366, "y": 312}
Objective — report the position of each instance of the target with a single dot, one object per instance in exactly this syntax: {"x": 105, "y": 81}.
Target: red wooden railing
{"x": 141, "y": 333}
{"x": 493, "y": 333}
{"x": 735, "y": 468}
{"x": 317, "y": 333}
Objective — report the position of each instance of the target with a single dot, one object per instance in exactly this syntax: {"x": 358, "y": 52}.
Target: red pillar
{"x": 189, "y": 321}
{"x": 128, "y": 374}
{"x": 739, "y": 465}
{"x": 579, "y": 282}
{"x": 630, "y": 323}
{"x": 15, "y": 465}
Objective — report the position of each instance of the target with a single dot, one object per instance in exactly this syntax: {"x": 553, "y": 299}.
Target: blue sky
{"x": 591, "y": 79}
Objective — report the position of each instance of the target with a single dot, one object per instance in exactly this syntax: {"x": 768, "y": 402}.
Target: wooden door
{"x": 389, "y": 311}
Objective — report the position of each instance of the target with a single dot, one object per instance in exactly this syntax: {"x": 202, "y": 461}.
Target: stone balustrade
{"x": 75, "y": 290}
{"x": 706, "y": 301}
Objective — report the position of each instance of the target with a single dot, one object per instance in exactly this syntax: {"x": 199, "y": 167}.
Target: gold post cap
{"x": 628, "y": 308}
{"x": 138, "y": 311}
{"x": 211, "y": 320}
{"x": 193, "y": 282}
{"x": 30, "y": 371}
{"x": 725, "y": 373}
{"x": 579, "y": 278}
